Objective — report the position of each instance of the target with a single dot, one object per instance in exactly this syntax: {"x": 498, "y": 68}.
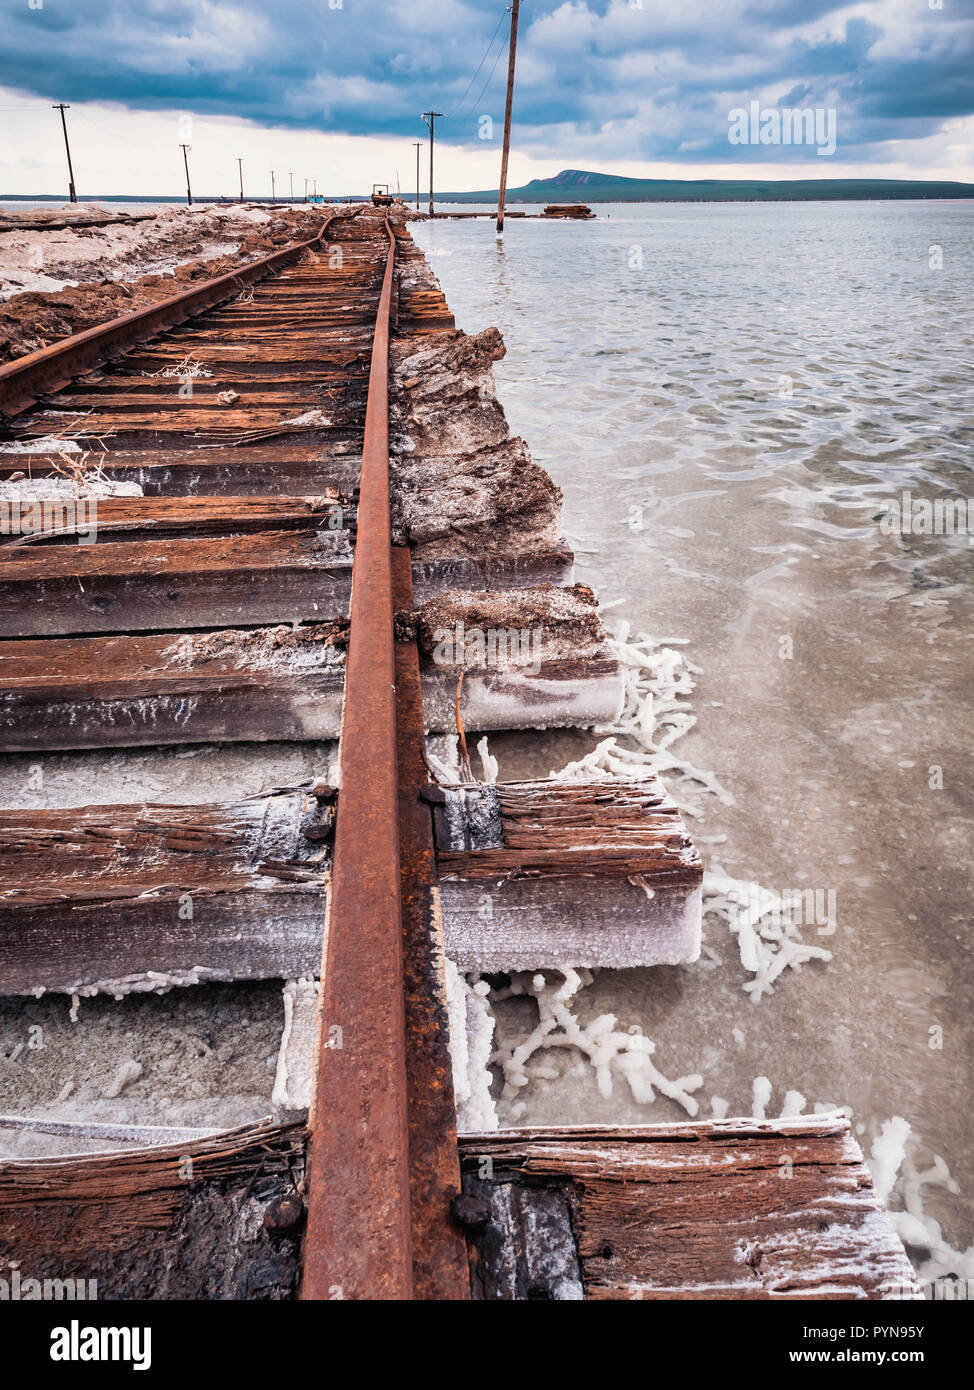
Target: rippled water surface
{"x": 729, "y": 396}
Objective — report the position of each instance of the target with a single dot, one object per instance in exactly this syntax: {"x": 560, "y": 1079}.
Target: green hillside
{"x": 581, "y": 186}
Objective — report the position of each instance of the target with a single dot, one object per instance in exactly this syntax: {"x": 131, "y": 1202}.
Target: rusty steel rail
{"x": 358, "y": 1237}
{"x": 24, "y": 381}
{"x": 440, "y": 1264}
{"x": 383, "y": 1157}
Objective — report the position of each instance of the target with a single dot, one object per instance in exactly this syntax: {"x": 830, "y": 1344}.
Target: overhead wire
{"x": 489, "y": 77}
{"x": 504, "y": 13}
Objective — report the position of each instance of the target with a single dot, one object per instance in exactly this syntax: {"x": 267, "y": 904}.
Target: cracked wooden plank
{"x": 97, "y": 894}
{"x": 292, "y": 468}
{"x": 244, "y": 578}
{"x": 178, "y": 1220}
{"x": 244, "y": 685}
{"x": 122, "y": 518}
{"x": 725, "y": 1209}
{"x": 583, "y": 874}
{"x": 171, "y": 688}
{"x": 138, "y": 586}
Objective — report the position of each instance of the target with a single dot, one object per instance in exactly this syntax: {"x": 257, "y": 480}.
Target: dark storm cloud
{"x": 642, "y": 78}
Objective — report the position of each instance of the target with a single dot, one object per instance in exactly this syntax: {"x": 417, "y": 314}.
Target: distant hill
{"x": 583, "y": 186}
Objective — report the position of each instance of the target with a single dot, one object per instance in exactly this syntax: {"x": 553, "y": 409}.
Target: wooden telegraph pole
{"x": 419, "y": 146}
{"x": 240, "y": 167}
{"x": 72, "y": 196}
{"x": 189, "y": 192}
{"x": 502, "y": 193}
{"x": 430, "y": 118}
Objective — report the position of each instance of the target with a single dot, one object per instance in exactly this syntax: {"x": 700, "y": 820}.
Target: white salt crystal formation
{"x": 654, "y": 715}
{"x": 768, "y": 939}
{"x": 292, "y": 1080}
{"x": 471, "y": 1044}
{"x": 610, "y": 1051}
{"x": 897, "y": 1178}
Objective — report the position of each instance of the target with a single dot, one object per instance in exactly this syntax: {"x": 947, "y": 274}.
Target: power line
{"x": 480, "y": 64}
{"x": 489, "y": 78}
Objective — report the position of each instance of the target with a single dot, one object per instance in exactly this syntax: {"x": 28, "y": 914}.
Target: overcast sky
{"x": 334, "y": 89}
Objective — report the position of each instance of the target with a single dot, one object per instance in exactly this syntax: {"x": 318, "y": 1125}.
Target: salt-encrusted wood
{"x": 466, "y": 817}
{"x": 593, "y": 874}
{"x": 140, "y": 586}
{"x": 193, "y": 420}
{"x": 460, "y": 484}
{"x": 532, "y": 657}
{"x": 295, "y": 469}
{"x": 270, "y": 576}
{"x": 246, "y": 685}
{"x": 470, "y": 630}
{"x": 527, "y": 1248}
{"x": 168, "y": 688}
{"x": 578, "y": 692}
{"x": 516, "y": 568}
{"x": 118, "y": 897}
{"x": 55, "y": 519}
{"x": 179, "y": 1220}
{"x": 730, "y": 1209}
{"x": 421, "y": 305}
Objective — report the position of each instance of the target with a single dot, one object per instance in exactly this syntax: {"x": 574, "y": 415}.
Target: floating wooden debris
{"x": 576, "y": 210}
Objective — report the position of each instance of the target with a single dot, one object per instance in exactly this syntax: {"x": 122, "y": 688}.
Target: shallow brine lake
{"x": 731, "y": 397}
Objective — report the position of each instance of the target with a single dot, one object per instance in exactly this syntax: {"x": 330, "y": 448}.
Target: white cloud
{"x": 632, "y": 87}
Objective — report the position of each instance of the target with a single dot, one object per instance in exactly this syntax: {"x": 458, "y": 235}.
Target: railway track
{"x": 256, "y": 577}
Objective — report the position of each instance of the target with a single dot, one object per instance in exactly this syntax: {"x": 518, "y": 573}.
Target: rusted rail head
{"x": 440, "y": 1264}
{"x": 383, "y": 1163}
{"x": 24, "y": 381}
{"x": 358, "y": 1238}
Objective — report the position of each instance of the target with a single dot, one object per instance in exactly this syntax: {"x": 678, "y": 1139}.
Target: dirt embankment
{"x": 64, "y": 280}
{"x": 460, "y": 484}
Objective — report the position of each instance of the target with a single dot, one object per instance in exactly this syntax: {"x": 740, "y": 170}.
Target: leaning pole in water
{"x": 502, "y": 193}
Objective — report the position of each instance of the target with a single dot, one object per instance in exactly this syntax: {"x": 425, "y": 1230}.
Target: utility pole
{"x": 430, "y": 118}
{"x": 306, "y": 190}
{"x": 189, "y": 193}
{"x": 240, "y": 166}
{"x": 273, "y": 194}
{"x": 72, "y": 196}
{"x": 316, "y": 190}
{"x": 291, "y": 177}
{"x": 502, "y": 193}
{"x": 419, "y": 146}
